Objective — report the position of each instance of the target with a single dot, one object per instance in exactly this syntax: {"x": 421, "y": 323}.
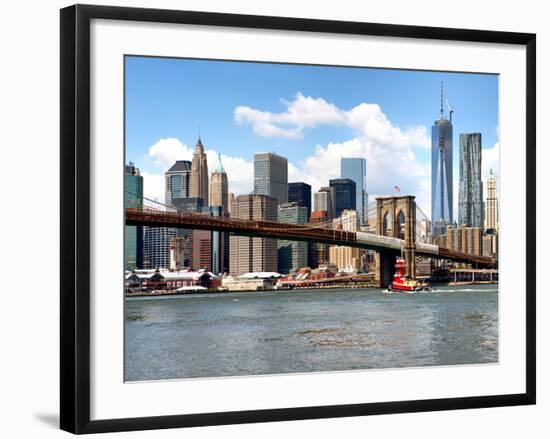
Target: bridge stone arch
{"x": 402, "y": 212}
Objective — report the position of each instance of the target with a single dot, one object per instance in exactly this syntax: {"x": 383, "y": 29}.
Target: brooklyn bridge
{"x": 396, "y": 233}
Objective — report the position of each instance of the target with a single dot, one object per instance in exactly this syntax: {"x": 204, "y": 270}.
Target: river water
{"x": 231, "y": 334}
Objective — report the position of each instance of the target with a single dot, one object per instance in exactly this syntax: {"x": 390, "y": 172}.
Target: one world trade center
{"x": 442, "y": 171}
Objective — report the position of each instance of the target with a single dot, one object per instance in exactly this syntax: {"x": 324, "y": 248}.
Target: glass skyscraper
{"x": 344, "y": 194}
{"x": 355, "y": 168}
{"x": 470, "y": 195}
{"x": 176, "y": 181}
{"x": 300, "y": 193}
{"x": 271, "y": 176}
{"x": 442, "y": 173}
{"x": 133, "y": 235}
{"x": 292, "y": 255}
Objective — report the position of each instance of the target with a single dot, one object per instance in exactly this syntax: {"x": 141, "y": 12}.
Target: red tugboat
{"x": 402, "y": 283}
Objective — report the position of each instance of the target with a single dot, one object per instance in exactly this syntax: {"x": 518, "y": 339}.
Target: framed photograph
{"x": 274, "y": 218}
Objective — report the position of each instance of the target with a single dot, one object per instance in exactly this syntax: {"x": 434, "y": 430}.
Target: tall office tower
{"x": 133, "y": 235}
{"x": 176, "y": 181}
{"x": 219, "y": 198}
{"x": 219, "y": 187}
{"x": 345, "y": 194}
{"x": 442, "y": 171}
{"x": 271, "y": 176}
{"x": 198, "y": 182}
{"x": 156, "y": 246}
{"x": 325, "y": 200}
{"x": 470, "y": 192}
{"x": 253, "y": 254}
{"x": 292, "y": 255}
{"x": 491, "y": 207}
{"x": 300, "y": 193}
{"x": 318, "y": 251}
{"x": 355, "y": 168}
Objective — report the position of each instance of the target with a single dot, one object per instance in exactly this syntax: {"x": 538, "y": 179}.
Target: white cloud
{"x": 308, "y": 112}
{"x": 490, "y": 160}
{"x": 153, "y": 186}
{"x": 302, "y": 112}
{"x": 167, "y": 150}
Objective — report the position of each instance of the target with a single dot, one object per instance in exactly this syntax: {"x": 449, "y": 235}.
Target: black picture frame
{"x": 75, "y": 217}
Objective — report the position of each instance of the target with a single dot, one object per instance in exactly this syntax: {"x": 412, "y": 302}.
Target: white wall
{"x": 29, "y": 140}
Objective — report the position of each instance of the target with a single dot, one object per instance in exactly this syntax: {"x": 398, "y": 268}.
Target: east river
{"x": 231, "y": 334}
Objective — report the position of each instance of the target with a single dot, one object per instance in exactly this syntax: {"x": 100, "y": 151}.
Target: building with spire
{"x": 470, "y": 190}
{"x": 491, "y": 204}
{"x": 219, "y": 193}
{"x": 442, "y": 171}
{"x": 198, "y": 182}
{"x": 219, "y": 199}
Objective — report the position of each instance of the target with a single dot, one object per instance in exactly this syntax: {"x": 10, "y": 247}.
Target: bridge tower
{"x": 396, "y": 218}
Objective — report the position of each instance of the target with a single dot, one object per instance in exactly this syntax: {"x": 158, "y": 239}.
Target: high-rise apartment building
{"x": 271, "y": 176}
{"x": 355, "y": 168}
{"x": 470, "y": 193}
{"x": 442, "y": 172}
{"x": 292, "y": 255}
{"x": 253, "y": 254}
{"x": 344, "y": 194}
{"x": 133, "y": 235}
{"x": 176, "y": 182}
{"x": 491, "y": 205}
{"x": 198, "y": 181}
{"x": 300, "y": 192}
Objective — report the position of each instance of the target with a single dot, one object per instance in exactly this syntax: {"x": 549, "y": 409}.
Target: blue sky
{"x": 309, "y": 114}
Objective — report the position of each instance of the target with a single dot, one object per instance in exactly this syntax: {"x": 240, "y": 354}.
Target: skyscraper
{"x": 219, "y": 187}
{"x": 253, "y": 254}
{"x": 176, "y": 181}
{"x": 156, "y": 246}
{"x": 198, "y": 182}
{"x": 355, "y": 168}
{"x": 271, "y": 176}
{"x": 292, "y": 255}
{"x": 133, "y": 235}
{"x": 219, "y": 199}
{"x": 442, "y": 171}
{"x": 325, "y": 200}
{"x": 300, "y": 193}
{"x": 345, "y": 194}
{"x": 491, "y": 207}
{"x": 470, "y": 195}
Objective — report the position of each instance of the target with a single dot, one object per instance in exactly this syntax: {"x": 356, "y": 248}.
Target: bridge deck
{"x": 272, "y": 229}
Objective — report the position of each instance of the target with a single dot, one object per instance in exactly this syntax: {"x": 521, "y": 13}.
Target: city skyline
{"x": 308, "y": 125}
